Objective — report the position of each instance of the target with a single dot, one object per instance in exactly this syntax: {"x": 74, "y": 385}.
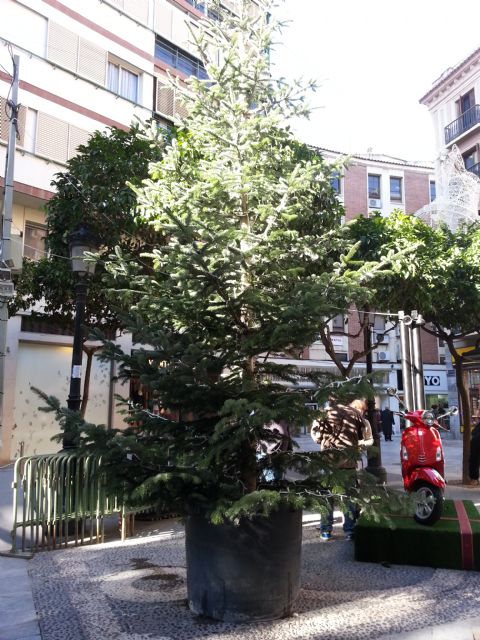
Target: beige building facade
{"x": 454, "y": 104}
{"x": 82, "y": 67}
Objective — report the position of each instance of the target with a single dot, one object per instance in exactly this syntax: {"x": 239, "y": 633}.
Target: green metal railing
{"x": 61, "y": 499}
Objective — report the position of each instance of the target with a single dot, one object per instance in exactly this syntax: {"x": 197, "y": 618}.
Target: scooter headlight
{"x": 438, "y": 455}
{"x": 404, "y": 453}
{"x": 428, "y": 417}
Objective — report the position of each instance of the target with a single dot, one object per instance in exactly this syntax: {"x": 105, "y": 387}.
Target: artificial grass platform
{"x": 448, "y": 544}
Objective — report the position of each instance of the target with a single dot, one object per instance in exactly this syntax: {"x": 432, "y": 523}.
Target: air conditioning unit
{"x": 383, "y": 356}
{"x": 374, "y": 203}
{"x": 384, "y": 337}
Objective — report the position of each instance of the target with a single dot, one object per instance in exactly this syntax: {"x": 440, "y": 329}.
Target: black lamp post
{"x": 374, "y": 465}
{"x": 81, "y": 241}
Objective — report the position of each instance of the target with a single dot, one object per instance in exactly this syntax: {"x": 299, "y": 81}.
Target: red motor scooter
{"x": 423, "y": 464}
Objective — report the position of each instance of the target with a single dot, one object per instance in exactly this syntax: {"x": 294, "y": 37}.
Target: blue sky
{"x": 373, "y": 60}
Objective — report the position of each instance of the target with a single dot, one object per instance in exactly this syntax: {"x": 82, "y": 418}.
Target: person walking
{"x": 388, "y": 422}
{"x": 344, "y": 427}
{"x": 474, "y": 459}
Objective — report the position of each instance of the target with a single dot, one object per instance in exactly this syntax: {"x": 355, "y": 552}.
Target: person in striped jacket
{"x": 344, "y": 427}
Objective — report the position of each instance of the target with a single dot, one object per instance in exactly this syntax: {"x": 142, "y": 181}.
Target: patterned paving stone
{"x": 138, "y": 592}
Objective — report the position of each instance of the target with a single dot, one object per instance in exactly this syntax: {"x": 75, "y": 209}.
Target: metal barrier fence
{"x": 61, "y": 499}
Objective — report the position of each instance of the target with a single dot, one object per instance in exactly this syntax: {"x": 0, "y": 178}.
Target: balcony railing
{"x": 475, "y": 169}
{"x": 203, "y": 7}
{"x": 184, "y": 62}
{"x": 466, "y": 121}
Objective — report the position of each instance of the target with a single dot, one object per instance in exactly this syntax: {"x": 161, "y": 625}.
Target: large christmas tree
{"x": 252, "y": 256}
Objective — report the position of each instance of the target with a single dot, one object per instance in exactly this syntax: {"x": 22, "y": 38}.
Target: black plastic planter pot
{"x": 248, "y": 572}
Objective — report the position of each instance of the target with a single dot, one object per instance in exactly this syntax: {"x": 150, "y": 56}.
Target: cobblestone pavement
{"x": 137, "y": 591}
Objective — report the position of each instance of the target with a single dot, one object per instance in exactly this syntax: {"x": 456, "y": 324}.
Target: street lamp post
{"x": 374, "y": 461}
{"x": 81, "y": 241}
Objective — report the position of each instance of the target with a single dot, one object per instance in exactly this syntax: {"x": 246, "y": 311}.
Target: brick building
{"x": 379, "y": 182}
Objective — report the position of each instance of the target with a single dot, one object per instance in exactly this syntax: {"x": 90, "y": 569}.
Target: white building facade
{"x": 82, "y": 67}
{"x": 454, "y": 104}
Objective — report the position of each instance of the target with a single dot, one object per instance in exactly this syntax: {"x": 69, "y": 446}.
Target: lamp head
{"x": 81, "y": 241}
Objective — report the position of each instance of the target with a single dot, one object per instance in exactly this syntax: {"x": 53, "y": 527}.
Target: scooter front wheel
{"x": 428, "y": 503}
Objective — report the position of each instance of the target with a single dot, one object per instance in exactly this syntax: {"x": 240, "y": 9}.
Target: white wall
{"x": 47, "y": 367}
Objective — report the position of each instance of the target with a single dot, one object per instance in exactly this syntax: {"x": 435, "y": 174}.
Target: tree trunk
{"x": 466, "y": 417}
{"x": 90, "y": 352}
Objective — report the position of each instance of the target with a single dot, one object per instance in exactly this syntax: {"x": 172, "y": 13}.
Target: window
{"x": 34, "y": 241}
{"x": 433, "y": 190}
{"x": 338, "y": 323}
{"x": 379, "y": 323}
{"x": 178, "y": 59}
{"x": 467, "y": 101}
{"x": 336, "y": 183}
{"x": 204, "y": 7}
{"x": 469, "y": 159}
{"x": 374, "y": 186}
{"x": 395, "y": 189}
{"x": 122, "y": 82}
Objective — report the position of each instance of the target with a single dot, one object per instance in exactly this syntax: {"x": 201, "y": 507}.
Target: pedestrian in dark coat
{"x": 388, "y": 422}
{"x": 474, "y": 460}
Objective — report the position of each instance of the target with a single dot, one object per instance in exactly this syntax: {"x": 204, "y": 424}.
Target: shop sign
{"x": 435, "y": 380}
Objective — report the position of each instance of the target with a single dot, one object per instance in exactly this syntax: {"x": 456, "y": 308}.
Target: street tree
{"x": 92, "y": 191}
{"x": 439, "y": 275}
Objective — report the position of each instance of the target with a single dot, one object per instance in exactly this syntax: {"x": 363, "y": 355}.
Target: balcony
{"x": 466, "y": 121}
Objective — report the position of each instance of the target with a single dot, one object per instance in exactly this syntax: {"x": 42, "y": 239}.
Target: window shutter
{"x": 76, "y": 137}
{"x": 181, "y": 111}
{"x": 62, "y": 46}
{"x": 75, "y": 53}
{"x": 92, "y": 61}
{"x": 5, "y": 122}
{"x": 52, "y": 137}
{"x": 22, "y": 117}
{"x": 169, "y": 102}
{"x": 165, "y": 100}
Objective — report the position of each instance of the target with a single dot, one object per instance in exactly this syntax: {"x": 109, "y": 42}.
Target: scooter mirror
{"x": 453, "y": 411}
{"x": 391, "y": 391}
